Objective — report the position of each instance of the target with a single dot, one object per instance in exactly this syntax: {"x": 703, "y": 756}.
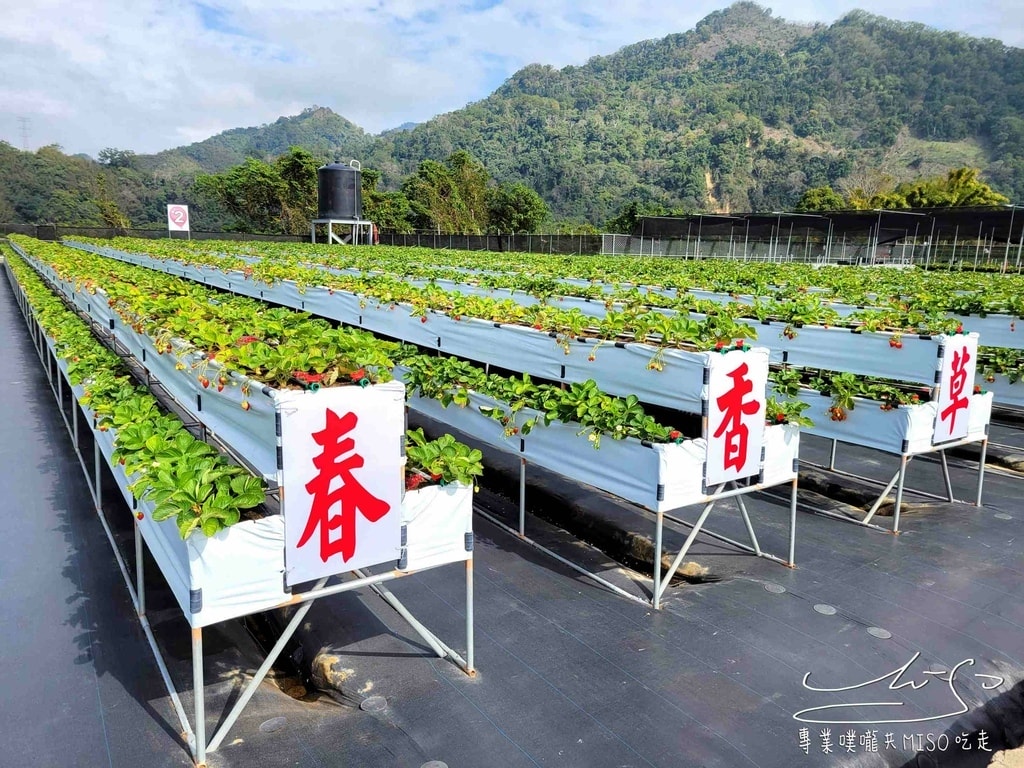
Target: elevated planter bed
{"x": 906, "y": 432}
{"x": 996, "y": 330}
{"x": 241, "y": 569}
{"x": 619, "y": 368}
{"x": 658, "y": 477}
{"x": 1003, "y": 392}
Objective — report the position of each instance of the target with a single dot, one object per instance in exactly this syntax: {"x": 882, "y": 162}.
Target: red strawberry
{"x": 675, "y": 434}
{"x": 245, "y": 405}
{"x": 977, "y": 389}
{"x": 220, "y": 387}
{"x": 139, "y": 515}
{"x": 538, "y": 327}
{"x": 412, "y": 482}
{"x": 204, "y": 381}
{"x": 423, "y": 319}
{"x": 358, "y": 375}
{"x": 591, "y": 359}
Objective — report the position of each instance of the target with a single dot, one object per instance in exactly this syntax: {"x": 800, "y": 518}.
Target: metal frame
{"x": 362, "y": 231}
{"x": 899, "y": 478}
{"x": 660, "y": 584}
{"x": 196, "y": 738}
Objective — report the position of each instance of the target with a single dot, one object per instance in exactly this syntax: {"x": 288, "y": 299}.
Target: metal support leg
{"x": 658, "y": 527}
{"x": 660, "y": 588}
{"x": 832, "y": 456}
{"x": 981, "y": 470}
{"x": 199, "y": 697}
{"x": 792, "y": 525}
{"x": 250, "y": 689}
{"x": 899, "y": 494}
{"x": 750, "y": 527}
{"x": 522, "y": 497}
{"x": 97, "y": 488}
{"x": 880, "y": 499}
{"x": 945, "y": 475}
{"x": 140, "y": 583}
{"x": 438, "y": 646}
{"x": 471, "y": 669}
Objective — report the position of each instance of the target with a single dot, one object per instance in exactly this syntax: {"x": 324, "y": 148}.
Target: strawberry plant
{"x": 444, "y": 460}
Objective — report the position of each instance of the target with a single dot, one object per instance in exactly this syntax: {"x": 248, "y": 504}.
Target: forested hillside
{"x": 744, "y": 112}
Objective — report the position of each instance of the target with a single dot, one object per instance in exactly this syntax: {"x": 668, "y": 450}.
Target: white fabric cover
{"x": 436, "y": 521}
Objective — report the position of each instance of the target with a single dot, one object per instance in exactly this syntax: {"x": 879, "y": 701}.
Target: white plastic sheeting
{"x": 438, "y": 524}
{"x": 1003, "y": 392}
{"x": 995, "y": 330}
{"x": 903, "y": 430}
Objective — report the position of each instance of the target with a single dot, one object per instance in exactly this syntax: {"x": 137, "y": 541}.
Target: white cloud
{"x": 148, "y": 75}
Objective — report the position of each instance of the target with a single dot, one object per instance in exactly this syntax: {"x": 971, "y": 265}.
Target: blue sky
{"x": 148, "y": 75}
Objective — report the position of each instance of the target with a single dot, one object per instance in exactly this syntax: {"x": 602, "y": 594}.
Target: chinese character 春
{"x": 336, "y": 463}
{"x": 734, "y": 408}
{"x": 805, "y": 740}
{"x": 957, "y": 381}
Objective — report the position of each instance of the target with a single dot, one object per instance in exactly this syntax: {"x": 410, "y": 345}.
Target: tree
{"x": 389, "y": 211}
{"x": 116, "y": 158}
{"x": 297, "y": 169}
{"x": 251, "y": 192}
{"x": 515, "y": 208}
{"x": 820, "y": 199}
{"x": 110, "y": 212}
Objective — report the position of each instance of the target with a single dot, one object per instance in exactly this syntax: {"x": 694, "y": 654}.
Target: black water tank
{"x": 339, "y": 191}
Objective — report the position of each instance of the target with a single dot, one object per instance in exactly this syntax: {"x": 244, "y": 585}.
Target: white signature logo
{"x": 896, "y": 683}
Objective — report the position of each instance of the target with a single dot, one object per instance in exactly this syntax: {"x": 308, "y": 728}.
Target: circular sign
{"x": 178, "y": 214}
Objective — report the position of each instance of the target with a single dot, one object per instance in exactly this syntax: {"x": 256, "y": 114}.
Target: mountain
{"x": 318, "y": 129}
{"x": 743, "y": 112}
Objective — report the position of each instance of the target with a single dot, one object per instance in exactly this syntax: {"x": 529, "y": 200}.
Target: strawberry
{"x": 779, "y": 418}
{"x": 245, "y": 405}
{"x": 538, "y": 327}
{"x": 412, "y": 482}
{"x": 358, "y": 375}
{"x": 591, "y": 359}
{"x": 990, "y": 378}
{"x": 719, "y": 345}
{"x": 675, "y": 434}
{"x": 204, "y": 381}
{"x": 220, "y": 387}
{"x": 139, "y": 515}
{"x": 436, "y": 477}
{"x": 977, "y": 389}
{"x": 423, "y": 319}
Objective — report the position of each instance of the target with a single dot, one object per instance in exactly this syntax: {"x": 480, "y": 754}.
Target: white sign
{"x": 956, "y": 385}
{"x": 177, "y": 218}
{"x": 734, "y": 429}
{"x": 342, "y": 498}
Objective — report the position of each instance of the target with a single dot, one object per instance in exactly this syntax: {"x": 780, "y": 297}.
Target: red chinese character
{"x": 957, "y": 382}
{"x": 333, "y": 465}
{"x": 734, "y": 408}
